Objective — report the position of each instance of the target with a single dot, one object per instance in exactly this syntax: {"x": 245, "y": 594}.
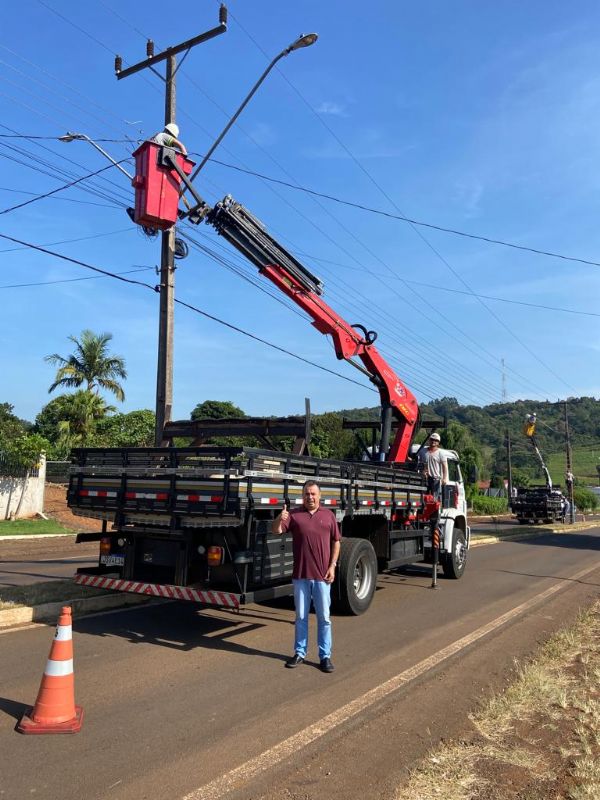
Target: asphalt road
{"x": 26, "y": 561}
{"x": 181, "y": 703}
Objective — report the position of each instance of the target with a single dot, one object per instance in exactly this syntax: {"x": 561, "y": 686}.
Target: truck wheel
{"x": 356, "y": 578}
{"x": 456, "y": 561}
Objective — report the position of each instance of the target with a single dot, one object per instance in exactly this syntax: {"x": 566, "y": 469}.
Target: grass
{"x": 540, "y": 738}
{"x": 47, "y": 592}
{"x": 31, "y": 526}
{"x": 584, "y": 466}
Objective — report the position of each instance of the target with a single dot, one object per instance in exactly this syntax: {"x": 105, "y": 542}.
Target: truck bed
{"x": 208, "y": 486}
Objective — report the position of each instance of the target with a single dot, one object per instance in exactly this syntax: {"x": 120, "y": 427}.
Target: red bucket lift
{"x": 157, "y": 186}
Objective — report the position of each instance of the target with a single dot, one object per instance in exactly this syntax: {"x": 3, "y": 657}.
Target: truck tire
{"x": 455, "y": 562}
{"x": 356, "y": 577}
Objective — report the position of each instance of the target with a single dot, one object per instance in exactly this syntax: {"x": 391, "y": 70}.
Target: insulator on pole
{"x": 118, "y": 63}
{"x": 149, "y": 48}
{"x": 223, "y": 14}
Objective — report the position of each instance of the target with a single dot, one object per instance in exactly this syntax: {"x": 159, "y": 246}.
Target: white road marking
{"x": 291, "y": 746}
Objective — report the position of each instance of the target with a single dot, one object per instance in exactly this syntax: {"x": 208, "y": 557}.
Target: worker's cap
{"x": 435, "y": 437}
{"x": 173, "y": 129}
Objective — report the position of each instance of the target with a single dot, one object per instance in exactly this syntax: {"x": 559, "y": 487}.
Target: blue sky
{"x": 478, "y": 117}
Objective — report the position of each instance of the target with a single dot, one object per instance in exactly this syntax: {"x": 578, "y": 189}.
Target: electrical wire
{"x": 402, "y": 218}
{"x": 70, "y": 280}
{"x": 274, "y": 162}
{"x": 60, "y": 188}
{"x": 189, "y": 306}
{"x": 414, "y": 227}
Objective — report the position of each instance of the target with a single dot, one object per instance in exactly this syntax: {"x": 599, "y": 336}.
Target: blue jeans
{"x": 320, "y": 594}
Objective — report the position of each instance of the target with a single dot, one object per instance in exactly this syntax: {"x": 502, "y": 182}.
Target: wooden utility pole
{"x": 164, "y": 370}
{"x": 569, "y": 473}
{"x": 509, "y": 462}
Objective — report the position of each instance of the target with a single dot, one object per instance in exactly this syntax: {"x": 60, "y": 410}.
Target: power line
{"x": 60, "y": 188}
{"x": 438, "y": 288}
{"x": 70, "y": 241}
{"x": 317, "y": 227}
{"x": 414, "y": 227}
{"x": 402, "y": 217}
{"x": 55, "y": 138}
{"x": 70, "y": 280}
{"x": 197, "y": 310}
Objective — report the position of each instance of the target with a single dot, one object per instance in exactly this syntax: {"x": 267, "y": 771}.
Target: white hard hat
{"x": 173, "y": 129}
{"x": 435, "y": 436}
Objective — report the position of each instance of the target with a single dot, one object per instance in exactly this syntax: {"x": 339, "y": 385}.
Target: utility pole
{"x": 569, "y": 473}
{"x": 164, "y": 370}
{"x": 509, "y": 462}
{"x": 503, "y": 382}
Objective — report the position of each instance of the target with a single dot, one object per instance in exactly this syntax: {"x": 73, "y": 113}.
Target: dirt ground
{"x": 55, "y": 507}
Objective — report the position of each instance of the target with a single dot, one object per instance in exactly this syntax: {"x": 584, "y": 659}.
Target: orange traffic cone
{"x": 55, "y": 710}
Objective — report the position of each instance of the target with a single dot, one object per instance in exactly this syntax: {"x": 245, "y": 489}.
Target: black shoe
{"x": 294, "y": 661}
{"x": 326, "y": 665}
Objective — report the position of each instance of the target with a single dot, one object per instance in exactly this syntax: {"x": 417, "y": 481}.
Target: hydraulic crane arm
{"x": 529, "y": 431}
{"x": 248, "y": 235}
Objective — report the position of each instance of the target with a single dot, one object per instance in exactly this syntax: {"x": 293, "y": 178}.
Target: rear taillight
{"x": 214, "y": 556}
{"x": 105, "y": 547}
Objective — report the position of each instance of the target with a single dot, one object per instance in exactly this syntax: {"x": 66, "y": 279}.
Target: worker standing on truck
{"x": 316, "y": 545}
{"x": 168, "y": 138}
{"x": 434, "y": 466}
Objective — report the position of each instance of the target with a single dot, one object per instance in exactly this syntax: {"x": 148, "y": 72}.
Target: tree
{"x": 11, "y": 426}
{"x": 90, "y": 365}
{"x": 457, "y": 437}
{"x": 135, "y": 429}
{"x": 217, "y": 409}
{"x": 24, "y": 451}
{"x": 70, "y": 420}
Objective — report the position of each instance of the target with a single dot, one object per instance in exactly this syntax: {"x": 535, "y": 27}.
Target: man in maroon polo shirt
{"x": 316, "y": 545}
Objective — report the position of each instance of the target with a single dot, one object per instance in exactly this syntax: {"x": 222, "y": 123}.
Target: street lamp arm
{"x": 71, "y": 137}
{"x": 301, "y": 41}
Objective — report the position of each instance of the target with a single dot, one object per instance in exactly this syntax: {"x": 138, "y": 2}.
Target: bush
{"x": 482, "y": 504}
{"x": 584, "y": 499}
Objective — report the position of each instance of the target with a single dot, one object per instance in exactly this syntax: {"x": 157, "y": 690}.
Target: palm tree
{"x": 90, "y": 364}
{"x": 83, "y": 411}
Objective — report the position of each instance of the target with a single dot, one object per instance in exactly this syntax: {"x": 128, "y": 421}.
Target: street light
{"x": 72, "y": 137}
{"x": 304, "y": 40}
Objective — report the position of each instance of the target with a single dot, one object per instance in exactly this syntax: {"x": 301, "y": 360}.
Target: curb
{"x": 35, "y": 536}
{"x": 81, "y": 606}
{"x": 525, "y": 534}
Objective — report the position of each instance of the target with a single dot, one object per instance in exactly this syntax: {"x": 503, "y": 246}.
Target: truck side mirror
{"x": 473, "y": 474}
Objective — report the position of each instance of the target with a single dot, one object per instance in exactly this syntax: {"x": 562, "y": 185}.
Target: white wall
{"x": 12, "y": 488}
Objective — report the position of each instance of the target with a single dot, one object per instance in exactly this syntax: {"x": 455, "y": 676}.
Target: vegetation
{"x": 489, "y": 505}
{"x": 478, "y": 434}
{"x": 584, "y": 499}
{"x": 28, "y": 527}
{"x": 90, "y": 365}
{"x": 538, "y": 739}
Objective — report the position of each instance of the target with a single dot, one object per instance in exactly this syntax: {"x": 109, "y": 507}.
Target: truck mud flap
{"x": 205, "y": 596}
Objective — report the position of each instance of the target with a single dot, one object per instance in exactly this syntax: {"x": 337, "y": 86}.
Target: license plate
{"x": 112, "y": 561}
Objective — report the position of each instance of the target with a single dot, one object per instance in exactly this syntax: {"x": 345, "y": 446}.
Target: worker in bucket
{"x": 434, "y": 466}
{"x": 168, "y": 138}
{"x": 316, "y": 545}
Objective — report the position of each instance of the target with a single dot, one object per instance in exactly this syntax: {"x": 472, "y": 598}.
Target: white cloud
{"x": 332, "y": 108}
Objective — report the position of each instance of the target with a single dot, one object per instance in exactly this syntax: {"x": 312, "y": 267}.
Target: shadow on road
{"x": 12, "y": 708}
{"x": 554, "y": 577}
{"x": 183, "y": 626}
{"x": 574, "y": 541}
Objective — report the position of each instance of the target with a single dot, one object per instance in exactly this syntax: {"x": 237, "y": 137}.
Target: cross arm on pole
{"x": 172, "y": 51}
